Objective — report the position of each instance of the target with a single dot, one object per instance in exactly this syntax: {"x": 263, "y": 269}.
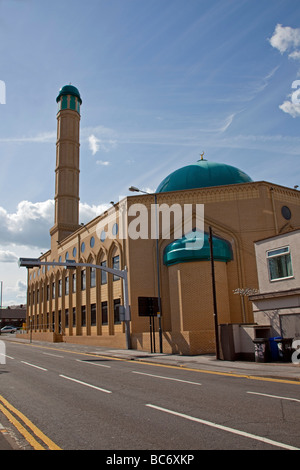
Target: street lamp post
{"x": 134, "y": 189}
{"x": 71, "y": 264}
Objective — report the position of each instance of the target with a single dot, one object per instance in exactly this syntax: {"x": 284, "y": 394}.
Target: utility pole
{"x": 214, "y": 294}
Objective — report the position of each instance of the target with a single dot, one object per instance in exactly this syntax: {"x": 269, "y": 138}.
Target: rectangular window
{"x": 93, "y": 277}
{"x": 67, "y": 285}
{"x": 67, "y": 318}
{"x": 73, "y": 283}
{"x": 116, "y": 265}
{"x": 83, "y": 315}
{"x": 52, "y": 321}
{"x": 116, "y": 311}
{"x": 53, "y": 290}
{"x": 59, "y": 288}
{"x": 93, "y": 315}
{"x": 280, "y": 263}
{"x": 103, "y": 273}
{"x": 48, "y": 292}
{"x": 74, "y": 317}
{"x": 104, "y": 313}
{"x": 83, "y": 279}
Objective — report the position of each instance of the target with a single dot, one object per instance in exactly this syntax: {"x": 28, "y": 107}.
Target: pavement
{"x": 206, "y": 363}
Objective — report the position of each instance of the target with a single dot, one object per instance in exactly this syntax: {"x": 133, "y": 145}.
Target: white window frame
{"x": 278, "y": 253}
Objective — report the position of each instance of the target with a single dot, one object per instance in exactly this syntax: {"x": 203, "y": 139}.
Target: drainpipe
{"x": 274, "y": 212}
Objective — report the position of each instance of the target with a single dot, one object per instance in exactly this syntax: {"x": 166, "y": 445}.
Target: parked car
{"x": 8, "y": 329}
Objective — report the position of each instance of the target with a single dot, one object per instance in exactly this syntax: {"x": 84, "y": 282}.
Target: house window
{"x": 73, "y": 283}
{"x": 93, "y": 277}
{"x": 116, "y": 265}
{"x": 67, "y": 285}
{"x": 83, "y": 279}
{"x": 103, "y": 273}
{"x": 116, "y": 311}
{"x": 280, "y": 263}
{"x": 104, "y": 313}
{"x": 59, "y": 288}
{"x": 53, "y": 290}
{"x": 93, "y": 314}
{"x": 67, "y": 318}
{"x": 83, "y": 315}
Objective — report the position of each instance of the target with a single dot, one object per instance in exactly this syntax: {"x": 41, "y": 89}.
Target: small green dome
{"x": 69, "y": 90}
{"x": 202, "y": 174}
{"x": 195, "y": 247}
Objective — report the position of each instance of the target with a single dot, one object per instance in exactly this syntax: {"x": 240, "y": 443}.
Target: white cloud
{"x": 88, "y": 212}
{"x": 15, "y": 294}
{"x": 228, "y": 121}
{"x": 285, "y": 37}
{"x": 103, "y": 163}
{"x": 44, "y": 137}
{"x": 295, "y": 55}
{"x": 94, "y": 144}
{"x": 290, "y": 108}
{"x": 29, "y": 225}
{"x": 7, "y": 256}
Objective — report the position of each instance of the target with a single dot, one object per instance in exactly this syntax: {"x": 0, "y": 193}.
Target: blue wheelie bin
{"x": 274, "y": 348}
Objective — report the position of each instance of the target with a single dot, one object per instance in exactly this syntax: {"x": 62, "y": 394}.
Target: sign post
{"x": 148, "y": 307}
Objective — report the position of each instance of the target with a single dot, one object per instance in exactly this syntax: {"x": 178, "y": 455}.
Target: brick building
{"x": 81, "y": 305}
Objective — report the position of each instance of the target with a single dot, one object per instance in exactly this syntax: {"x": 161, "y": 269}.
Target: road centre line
{"x": 33, "y": 365}
{"x": 166, "y": 378}
{"x": 89, "y": 362}
{"x": 54, "y": 355}
{"x": 224, "y": 428}
{"x": 84, "y": 383}
{"x": 275, "y": 396}
{"x": 7, "y": 409}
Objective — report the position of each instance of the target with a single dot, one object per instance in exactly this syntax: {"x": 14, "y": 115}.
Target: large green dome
{"x": 195, "y": 247}
{"x": 202, "y": 174}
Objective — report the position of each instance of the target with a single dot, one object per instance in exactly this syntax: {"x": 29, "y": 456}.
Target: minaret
{"x": 66, "y": 218}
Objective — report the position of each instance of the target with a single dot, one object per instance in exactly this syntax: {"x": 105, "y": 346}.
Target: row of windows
{"x": 103, "y": 280}
{"x": 70, "y": 318}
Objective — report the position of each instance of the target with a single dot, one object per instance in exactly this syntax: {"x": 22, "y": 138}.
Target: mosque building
{"x": 167, "y": 275}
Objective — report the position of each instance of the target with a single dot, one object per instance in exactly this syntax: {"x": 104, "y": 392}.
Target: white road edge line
{"x": 166, "y": 378}
{"x": 89, "y": 362}
{"x": 33, "y": 365}
{"x": 86, "y": 384}
{"x": 274, "y": 396}
{"x": 225, "y": 428}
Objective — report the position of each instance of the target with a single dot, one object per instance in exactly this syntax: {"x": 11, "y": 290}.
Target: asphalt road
{"x": 71, "y": 400}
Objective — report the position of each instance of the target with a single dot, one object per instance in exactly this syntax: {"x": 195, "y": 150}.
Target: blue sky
{"x": 161, "y": 81}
